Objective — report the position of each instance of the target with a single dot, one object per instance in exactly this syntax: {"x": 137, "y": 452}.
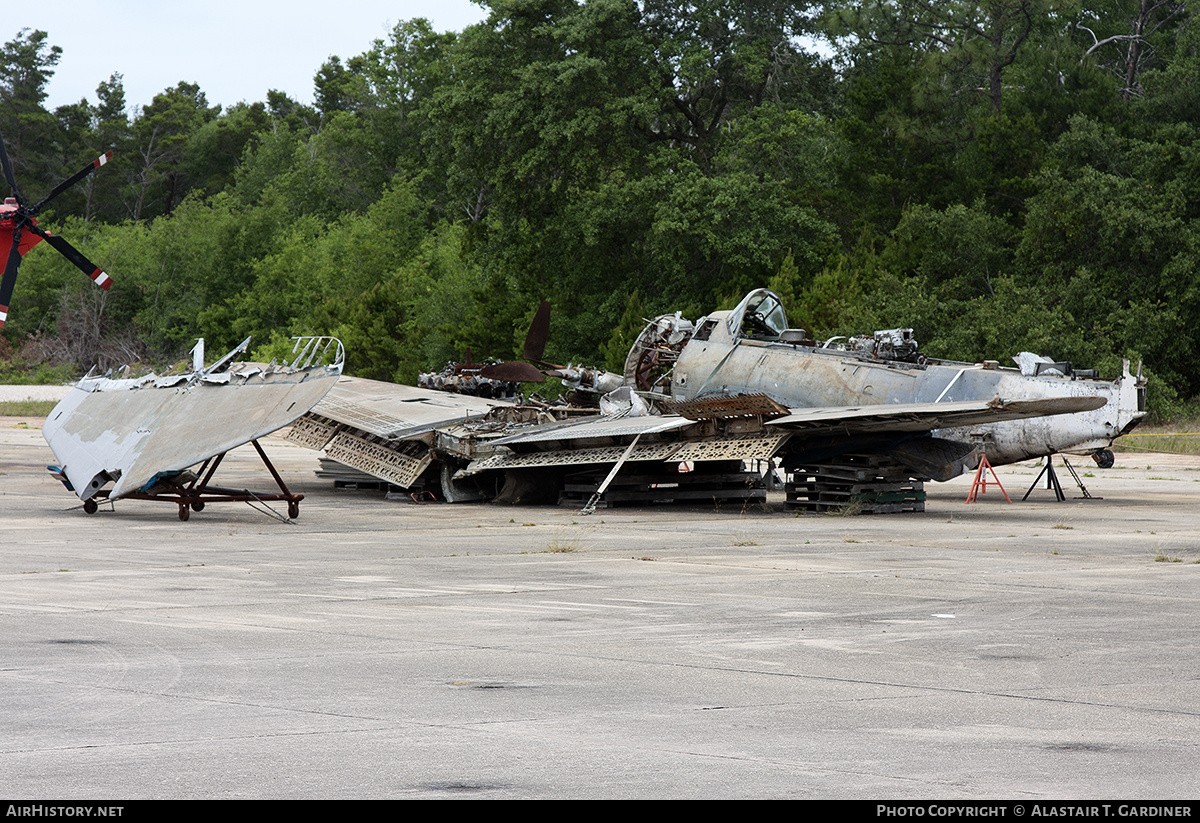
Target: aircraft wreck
{"x": 144, "y": 435}
{"x": 866, "y": 417}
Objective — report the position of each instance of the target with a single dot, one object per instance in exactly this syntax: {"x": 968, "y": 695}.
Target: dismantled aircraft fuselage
{"x": 750, "y": 349}
{"x": 737, "y": 386}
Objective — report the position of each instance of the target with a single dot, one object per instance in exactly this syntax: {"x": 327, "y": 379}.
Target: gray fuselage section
{"x": 805, "y": 376}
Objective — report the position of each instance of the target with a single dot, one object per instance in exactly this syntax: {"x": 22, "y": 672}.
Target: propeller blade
{"x": 68, "y": 251}
{"x": 10, "y": 276}
{"x": 8, "y": 170}
{"x": 513, "y": 371}
{"x": 539, "y": 334}
{"x": 72, "y": 180}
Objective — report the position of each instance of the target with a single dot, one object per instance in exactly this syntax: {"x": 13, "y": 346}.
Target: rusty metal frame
{"x": 195, "y": 495}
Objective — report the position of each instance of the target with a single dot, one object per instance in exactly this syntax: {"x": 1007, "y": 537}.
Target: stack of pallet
{"x": 656, "y": 482}
{"x": 866, "y": 484}
{"x": 346, "y": 478}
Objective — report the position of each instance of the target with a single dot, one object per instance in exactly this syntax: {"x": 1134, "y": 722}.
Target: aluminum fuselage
{"x": 803, "y": 376}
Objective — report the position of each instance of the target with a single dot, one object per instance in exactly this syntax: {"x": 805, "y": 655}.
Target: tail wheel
{"x": 1104, "y": 458}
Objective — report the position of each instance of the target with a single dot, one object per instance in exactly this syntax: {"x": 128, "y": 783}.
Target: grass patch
{"x": 563, "y": 544}
{"x": 18, "y": 372}
{"x": 1161, "y": 557}
{"x": 851, "y": 509}
{"x": 26, "y": 408}
{"x": 1180, "y": 436}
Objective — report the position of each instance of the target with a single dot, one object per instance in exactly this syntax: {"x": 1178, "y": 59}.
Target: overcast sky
{"x": 235, "y": 51}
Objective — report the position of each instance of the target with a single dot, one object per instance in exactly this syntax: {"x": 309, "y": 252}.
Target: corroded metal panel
{"x": 747, "y": 447}
{"x": 725, "y": 408}
{"x": 571, "y": 457}
{"x": 312, "y": 431}
{"x": 383, "y": 460}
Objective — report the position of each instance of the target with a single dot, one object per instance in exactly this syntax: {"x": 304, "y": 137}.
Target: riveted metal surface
{"x": 312, "y": 432}
{"x": 386, "y": 461}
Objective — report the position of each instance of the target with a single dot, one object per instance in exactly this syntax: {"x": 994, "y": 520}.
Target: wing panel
{"x": 915, "y": 417}
{"x": 377, "y": 459}
{"x": 134, "y": 432}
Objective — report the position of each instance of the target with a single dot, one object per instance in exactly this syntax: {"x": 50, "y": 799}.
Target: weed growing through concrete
{"x": 849, "y": 510}
{"x": 561, "y": 546}
{"x": 566, "y": 541}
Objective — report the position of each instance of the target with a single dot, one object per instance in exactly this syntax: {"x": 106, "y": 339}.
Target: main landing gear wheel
{"x": 1104, "y": 458}
{"x": 293, "y": 509}
{"x": 184, "y": 514}
{"x": 90, "y": 506}
{"x": 198, "y": 506}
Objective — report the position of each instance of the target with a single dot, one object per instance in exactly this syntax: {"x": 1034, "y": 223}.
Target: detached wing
{"x": 922, "y": 417}
{"x": 130, "y": 432}
{"x": 385, "y": 429}
{"x": 677, "y": 438}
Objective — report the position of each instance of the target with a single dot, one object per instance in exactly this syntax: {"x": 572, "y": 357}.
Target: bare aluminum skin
{"x": 838, "y": 395}
{"x": 131, "y": 431}
{"x": 731, "y": 362}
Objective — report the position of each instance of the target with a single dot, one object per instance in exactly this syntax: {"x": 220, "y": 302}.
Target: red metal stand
{"x": 980, "y": 484}
{"x": 195, "y": 495}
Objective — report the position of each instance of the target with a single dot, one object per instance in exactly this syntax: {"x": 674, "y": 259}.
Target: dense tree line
{"x": 1000, "y": 175}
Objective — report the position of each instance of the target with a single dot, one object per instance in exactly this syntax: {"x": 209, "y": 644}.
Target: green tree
{"x": 972, "y": 42}
{"x": 161, "y": 137}
{"x": 1124, "y": 37}
{"x": 26, "y": 65}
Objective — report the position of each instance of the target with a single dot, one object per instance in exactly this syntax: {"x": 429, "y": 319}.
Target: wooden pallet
{"x": 856, "y": 484}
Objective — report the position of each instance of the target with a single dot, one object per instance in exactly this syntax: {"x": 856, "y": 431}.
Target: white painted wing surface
{"x": 396, "y": 411}
{"x": 135, "y": 431}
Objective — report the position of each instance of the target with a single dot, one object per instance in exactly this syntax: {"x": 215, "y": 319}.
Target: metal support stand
{"x": 980, "y": 483}
{"x": 195, "y": 495}
{"x": 1087, "y": 495}
{"x": 590, "y": 507}
{"x": 1052, "y": 480}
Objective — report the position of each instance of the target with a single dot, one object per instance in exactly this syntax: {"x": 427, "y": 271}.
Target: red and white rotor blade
{"x": 71, "y": 253}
